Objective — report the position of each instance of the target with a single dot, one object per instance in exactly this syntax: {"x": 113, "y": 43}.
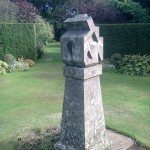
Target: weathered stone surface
{"x": 83, "y": 73}
{"x": 120, "y": 142}
{"x": 82, "y": 47}
{"x": 83, "y": 124}
{"x": 95, "y": 137}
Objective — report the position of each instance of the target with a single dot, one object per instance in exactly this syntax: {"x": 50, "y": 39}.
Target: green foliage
{"x": 114, "y": 58}
{"x": 144, "y": 3}
{"x": 106, "y": 66}
{"x": 26, "y": 13}
{"x": 2, "y": 71}
{"x": 17, "y": 11}
{"x": 3, "y": 67}
{"x": 134, "y": 65}
{"x": 44, "y": 34}
{"x": 30, "y": 62}
{"x": 18, "y": 40}
{"x": 21, "y": 66}
{"x": 3, "y": 64}
{"x": 9, "y": 59}
{"x": 125, "y": 39}
{"x": 8, "y": 11}
{"x": 133, "y": 10}
{"x": 18, "y": 66}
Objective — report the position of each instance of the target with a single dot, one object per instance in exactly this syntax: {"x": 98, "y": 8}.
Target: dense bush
{"x": 18, "y": 66}
{"x": 18, "y": 40}
{"x": 125, "y": 39}
{"x": 3, "y": 67}
{"x": 106, "y": 66}
{"x": 9, "y": 59}
{"x": 30, "y": 62}
{"x": 21, "y": 66}
{"x": 114, "y": 58}
{"x": 44, "y": 34}
{"x": 134, "y": 65}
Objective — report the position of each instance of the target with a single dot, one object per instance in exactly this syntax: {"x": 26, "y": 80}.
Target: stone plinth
{"x": 83, "y": 124}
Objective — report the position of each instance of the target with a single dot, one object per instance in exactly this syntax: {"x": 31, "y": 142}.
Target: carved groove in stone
{"x": 89, "y": 55}
{"x": 94, "y": 37}
{"x": 99, "y": 58}
{"x": 69, "y": 46}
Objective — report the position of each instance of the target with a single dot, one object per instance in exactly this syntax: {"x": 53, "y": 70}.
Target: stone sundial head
{"x": 81, "y": 45}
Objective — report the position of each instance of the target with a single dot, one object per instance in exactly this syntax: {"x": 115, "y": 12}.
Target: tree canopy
{"x": 103, "y": 11}
{"x": 56, "y": 11}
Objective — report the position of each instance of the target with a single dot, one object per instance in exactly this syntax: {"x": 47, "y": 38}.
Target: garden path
{"x": 122, "y": 142}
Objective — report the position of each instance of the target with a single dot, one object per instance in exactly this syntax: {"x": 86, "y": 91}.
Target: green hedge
{"x": 18, "y": 40}
{"x": 125, "y": 39}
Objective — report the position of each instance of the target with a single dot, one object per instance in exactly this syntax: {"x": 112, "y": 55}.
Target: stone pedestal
{"x": 83, "y": 124}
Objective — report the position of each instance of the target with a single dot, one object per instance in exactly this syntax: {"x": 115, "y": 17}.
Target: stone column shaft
{"x": 83, "y": 125}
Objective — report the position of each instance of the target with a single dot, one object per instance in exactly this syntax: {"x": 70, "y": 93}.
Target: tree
{"x": 27, "y": 13}
{"x": 102, "y": 12}
{"x": 143, "y": 3}
{"x": 133, "y": 11}
{"x": 44, "y": 34}
{"x": 8, "y": 11}
{"x": 54, "y": 11}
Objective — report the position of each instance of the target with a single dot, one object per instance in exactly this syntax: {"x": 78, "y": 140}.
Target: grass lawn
{"x": 33, "y": 101}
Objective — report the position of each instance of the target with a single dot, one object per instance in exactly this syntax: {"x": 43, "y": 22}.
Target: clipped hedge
{"x": 125, "y": 39}
{"x": 18, "y": 40}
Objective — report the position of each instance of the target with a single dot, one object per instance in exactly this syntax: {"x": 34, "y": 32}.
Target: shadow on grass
{"x": 34, "y": 141}
{"x": 8, "y": 145}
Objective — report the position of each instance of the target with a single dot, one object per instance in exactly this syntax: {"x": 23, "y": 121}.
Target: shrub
{"x": 44, "y": 34}
{"x": 18, "y": 66}
{"x": 22, "y": 66}
{"x": 30, "y": 62}
{"x": 2, "y": 71}
{"x": 107, "y": 66}
{"x": 18, "y": 40}
{"x": 3, "y": 64}
{"x": 134, "y": 65}
{"x": 40, "y": 51}
{"x": 11, "y": 67}
{"x": 9, "y": 59}
{"x": 114, "y": 58}
{"x": 3, "y": 67}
